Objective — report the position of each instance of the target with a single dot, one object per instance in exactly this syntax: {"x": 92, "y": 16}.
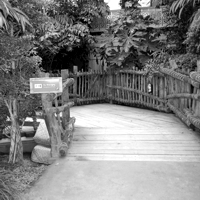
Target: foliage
{"x": 82, "y": 10}
{"x": 14, "y": 81}
{"x": 186, "y": 61}
{"x": 62, "y": 26}
{"x": 187, "y": 24}
{"x": 11, "y": 16}
{"x": 158, "y": 60}
{"x": 35, "y": 10}
{"x": 61, "y": 33}
{"x": 130, "y": 41}
{"x": 18, "y": 62}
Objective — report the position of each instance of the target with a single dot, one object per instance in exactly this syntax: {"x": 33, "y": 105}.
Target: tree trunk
{"x": 16, "y": 147}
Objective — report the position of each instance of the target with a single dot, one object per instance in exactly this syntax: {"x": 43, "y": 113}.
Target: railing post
{"x": 65, "y": 99}
{"x": 197, "y": 110}
{"x": 51, "y": 123}
{"x": 75, "y": 71}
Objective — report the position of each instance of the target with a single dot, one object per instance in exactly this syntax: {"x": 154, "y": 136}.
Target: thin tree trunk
{"x": 16, "y": 147}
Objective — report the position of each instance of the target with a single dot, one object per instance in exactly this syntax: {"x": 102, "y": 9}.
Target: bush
{"x": 186, "y": 61}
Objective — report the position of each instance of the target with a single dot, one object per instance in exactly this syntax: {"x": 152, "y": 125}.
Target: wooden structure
{"x": 60, "y": 129}
{"x": 121, "y": 133}
{"x": 167, "y": 90}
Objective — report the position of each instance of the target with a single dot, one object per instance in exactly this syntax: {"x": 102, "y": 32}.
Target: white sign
{"x": 46, "y": 85}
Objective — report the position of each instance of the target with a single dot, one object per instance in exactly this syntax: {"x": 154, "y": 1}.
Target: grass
{"x": 15, "y": 179}
{"x": 7, "y": 186}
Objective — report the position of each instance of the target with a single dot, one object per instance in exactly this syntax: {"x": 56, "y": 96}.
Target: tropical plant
{"x": 15, "y": 65}
{"x": 18, "y": 62}
{"x": 10, "y": 16}
{"x": 129, "y": 41}
{"x": 68, "y": 29}
{"x": 187, "y": 24}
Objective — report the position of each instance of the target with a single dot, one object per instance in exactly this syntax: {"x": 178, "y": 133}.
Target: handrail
{"x": 165, "y": 90}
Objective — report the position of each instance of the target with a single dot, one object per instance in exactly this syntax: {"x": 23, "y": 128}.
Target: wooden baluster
{"x": 142, "y": 87}
{"x": 75, "y": 70}
{"x": 161, "y": 89}
{"x": 197, "y": 109}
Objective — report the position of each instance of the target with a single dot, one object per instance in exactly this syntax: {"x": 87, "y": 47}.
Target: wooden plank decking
{"x": 114, "y": 132}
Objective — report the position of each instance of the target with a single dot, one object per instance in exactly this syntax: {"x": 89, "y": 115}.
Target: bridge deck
{"x": 113, "y": 132}
{"x": 101, "y": 161}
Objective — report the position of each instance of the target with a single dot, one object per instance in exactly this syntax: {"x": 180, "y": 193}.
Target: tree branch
{"x": 61, "y": 108}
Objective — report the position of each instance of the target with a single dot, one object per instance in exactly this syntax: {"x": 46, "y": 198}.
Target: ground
{"x": 21, "y": 177}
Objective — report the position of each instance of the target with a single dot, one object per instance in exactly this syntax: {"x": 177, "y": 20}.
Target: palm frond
{"x": 179, "y": 5}
{"x": 8, "y": 13}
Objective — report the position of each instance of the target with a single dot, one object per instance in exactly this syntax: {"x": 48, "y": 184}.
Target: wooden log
{"x": 180, "y": 77}
{"x": 138, "y": 92}
{"x": 65, "y": 97}
{"x": 179, "y": 114}
{"x": 63, "y": 149}
{"x": 140, "y": 72}
{"x": 195, "y": 76}
{"x": 60, "y": 108}
{"x": 184, "y": 95}
{"x": 67, "y": 82}
{"x": 192, "y": 118}
{"x": 137, "y": 102}
{"x": 53, "y": 127}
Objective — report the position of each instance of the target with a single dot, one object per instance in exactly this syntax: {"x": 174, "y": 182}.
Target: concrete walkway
{"x": 138, "y": 155}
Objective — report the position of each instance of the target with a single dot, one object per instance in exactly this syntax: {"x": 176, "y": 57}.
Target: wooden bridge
{"x": 124, "y": 133}
{"x": 114, "y": 132}
{"x": 123, "y": 152}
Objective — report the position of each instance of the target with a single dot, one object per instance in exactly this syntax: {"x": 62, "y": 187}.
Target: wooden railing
{"x": 183, "y": 95}
{"x": 89, "y": 87}
{"x": 136, "y": 88}
{"x": 166, "y": 90}
{"x": 60, "y": 127}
